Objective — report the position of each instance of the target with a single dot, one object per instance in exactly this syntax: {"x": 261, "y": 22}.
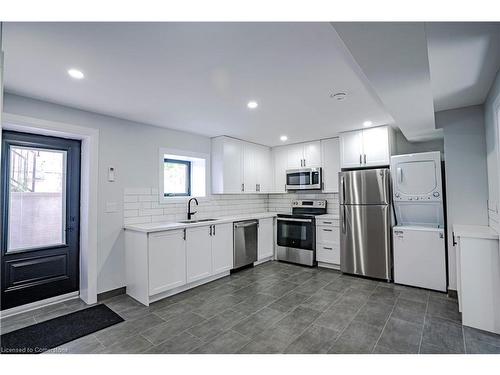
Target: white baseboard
{"x": 329, "y": 265}
{"x": 38, "y": 304}
{"x": 263, "y": 260}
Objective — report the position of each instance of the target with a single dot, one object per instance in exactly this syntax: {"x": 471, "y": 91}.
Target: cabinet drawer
{"x": 327, "y": 222}
{"x": 328, "y": 234}
{"x": 328, "y": 253}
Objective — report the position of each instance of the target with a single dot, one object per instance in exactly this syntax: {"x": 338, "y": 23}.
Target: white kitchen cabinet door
{"x": 198, "y": 253}
{"x": 351, "y": 149}
{"x": 280, "y": 164}
{"x": 233, "y": 165}
{"x": 263, "y": 164}
{"x": 222, "y": 248}
{"x": 250, "y": 167}
{"x": 167, "y": 261}
{"x": 295, "y": 156}
{"x": 376, "y": 147}
{"x": 330, "y": 150}
{"x": 312, "y": 154}
{"x": 328, "y": 253}
{"x": 265, "y": 242}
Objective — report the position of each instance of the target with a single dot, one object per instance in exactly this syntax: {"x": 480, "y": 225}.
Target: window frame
{"x": 188, "y": 177}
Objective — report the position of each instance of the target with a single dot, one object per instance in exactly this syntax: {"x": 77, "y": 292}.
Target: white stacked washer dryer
{"x": 419, "y": 235}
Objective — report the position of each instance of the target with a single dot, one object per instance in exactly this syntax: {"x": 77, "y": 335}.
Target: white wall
{"x": 131, "y": 148}
{"x": 403, "y": 146}
{"x": 491, "y": 108}
{"x": 465, "y": 168}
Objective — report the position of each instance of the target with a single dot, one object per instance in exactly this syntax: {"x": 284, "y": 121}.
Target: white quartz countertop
{"x": 475, "y": 231}
{"x": 160, "y": 227}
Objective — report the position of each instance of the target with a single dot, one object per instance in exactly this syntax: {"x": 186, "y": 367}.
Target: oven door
{"x": 295, "y": 232}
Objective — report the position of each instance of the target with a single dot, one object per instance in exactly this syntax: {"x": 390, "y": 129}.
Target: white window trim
{"x": 192, "y": 154}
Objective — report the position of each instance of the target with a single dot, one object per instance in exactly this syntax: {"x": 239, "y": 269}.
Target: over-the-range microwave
{"x": 304, "y": 179}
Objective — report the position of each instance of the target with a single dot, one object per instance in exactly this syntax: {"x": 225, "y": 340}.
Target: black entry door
{"x": 40, "y": 217}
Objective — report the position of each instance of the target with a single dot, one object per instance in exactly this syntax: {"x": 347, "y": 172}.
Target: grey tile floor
{"x": 281, "y": 308}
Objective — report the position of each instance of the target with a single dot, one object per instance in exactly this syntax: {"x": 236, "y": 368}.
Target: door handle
{"x": 342, "y": 183}
{"x": 327, "y": 248}
{"x": 214, "y": 229}
{"x": 360, "y": 159}
{"x": 184, "y": 234}
{"x": 328, "y": 230}
{"x": 210, "y": 230}
{"x": 304, "y": 162}
{"x": 364, "y": 158}
{"x": 242, "y": 187}
{"x": 343, "y": 219}
{"x": 399, "y": 173}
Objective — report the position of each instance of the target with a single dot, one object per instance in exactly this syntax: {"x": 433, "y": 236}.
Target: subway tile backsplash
{"x": 141, "y": 205}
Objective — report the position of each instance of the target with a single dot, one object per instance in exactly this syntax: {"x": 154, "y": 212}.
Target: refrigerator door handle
{"x": 343, "y": 219}
{"x": 399, "y": 173}
{"x": 342, "y": 187}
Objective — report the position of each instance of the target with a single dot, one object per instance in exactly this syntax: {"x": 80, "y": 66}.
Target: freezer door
{"x": 369, "y": 186}
{"x": 365, "y": 243}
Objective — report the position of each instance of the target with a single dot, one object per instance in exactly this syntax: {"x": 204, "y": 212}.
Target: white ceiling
{"x": 393, "y": 56}
{"x": 463, "y": 58}
{"x": 197, "y": 77}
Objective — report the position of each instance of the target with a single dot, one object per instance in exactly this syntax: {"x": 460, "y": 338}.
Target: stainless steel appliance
{"x": 365, "y": 223}
{"x": 304, "y": 179}
{"x": 244, "y": 243}
{"x": 296, "y": 232}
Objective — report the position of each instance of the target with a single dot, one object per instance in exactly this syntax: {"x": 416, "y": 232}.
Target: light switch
{"x": 111, "y": 207}
{"x": 111, "y": 174}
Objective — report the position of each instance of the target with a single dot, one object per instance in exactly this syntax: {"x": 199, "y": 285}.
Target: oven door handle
{"x": 293, "y": 219}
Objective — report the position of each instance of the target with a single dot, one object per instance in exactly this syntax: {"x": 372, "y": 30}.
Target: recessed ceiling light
{"x": 252, "y": 104}
{"x": 283, "y": 138}
{"x": 76, "y": 74}
{"x": 338, "y": 96}
{"x": 367, "y": 123}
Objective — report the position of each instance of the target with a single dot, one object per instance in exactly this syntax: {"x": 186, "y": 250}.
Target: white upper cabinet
{"x": 366, "y": 148}
{"x": 330, "y": 150}
{"x": 376, "y": 150}
{"x": 280, "y": 164}
{"x": 303, "y": 155}
{"x": 227, "y": 165}
{"x": 240, "y": 167}
{"x": 312, "y": 154}
{"x": 351, "y": 149}
{"x": 295, "y": 154}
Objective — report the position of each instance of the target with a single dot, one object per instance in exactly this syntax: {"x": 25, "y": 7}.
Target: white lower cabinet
{"x": 167, "y": 261}
{"x": 198, "y": 253}
{"x": 222, "y": 248}
{"x": 265, "y": 242}
{"x": 160, "y": 264}
{"x": 328, "y": 242}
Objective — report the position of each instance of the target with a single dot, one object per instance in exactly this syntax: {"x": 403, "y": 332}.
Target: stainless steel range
{"x": 296, "y": 232}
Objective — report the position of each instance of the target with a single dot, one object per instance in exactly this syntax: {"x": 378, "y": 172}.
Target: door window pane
{"x": 37, "y": 198}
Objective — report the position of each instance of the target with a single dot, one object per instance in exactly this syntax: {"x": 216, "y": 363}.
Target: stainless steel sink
{"x": 195, "y": 221}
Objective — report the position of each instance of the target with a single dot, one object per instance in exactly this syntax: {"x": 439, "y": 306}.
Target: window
{"x": 182, "y": 174}
{"x": 177, "y": 178}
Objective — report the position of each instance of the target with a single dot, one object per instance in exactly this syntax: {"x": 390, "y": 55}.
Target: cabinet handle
{"x": 360, "y": 159}
{"x": 364, "y": 157}
{"x": 327, "y": 222}
{"x": 184, "y": 234}
{"x": 327, "y": 248}
{"x": 210, "y": 230}
{"x": 242, "y": 187}
{"x": 214, "y": 229}
{"x": 327, "y": 230}
{"x": 304, "y": 162}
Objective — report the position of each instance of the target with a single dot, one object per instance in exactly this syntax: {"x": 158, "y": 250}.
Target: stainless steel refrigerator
{"x": 365, "y": 223}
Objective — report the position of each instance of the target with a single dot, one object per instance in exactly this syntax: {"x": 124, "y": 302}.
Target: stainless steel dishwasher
{"x": 245, "y": 243}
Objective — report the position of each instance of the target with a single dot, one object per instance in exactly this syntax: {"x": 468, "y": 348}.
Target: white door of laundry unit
{"x": 420, "y": 257}
{"x": 417, "y": 177}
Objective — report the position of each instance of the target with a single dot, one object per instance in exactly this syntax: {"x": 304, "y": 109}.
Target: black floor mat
{"x": 41, "y": 337}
